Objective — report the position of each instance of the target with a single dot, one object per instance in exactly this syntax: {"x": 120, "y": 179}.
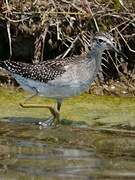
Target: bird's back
{"x": 53, "y": 78}
{"x": 44, "y": 71}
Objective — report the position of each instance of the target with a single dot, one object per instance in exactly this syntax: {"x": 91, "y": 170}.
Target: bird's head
{"x": 105, "y": 41}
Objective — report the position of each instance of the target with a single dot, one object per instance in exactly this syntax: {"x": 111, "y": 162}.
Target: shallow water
{"x": 101, "y": 146}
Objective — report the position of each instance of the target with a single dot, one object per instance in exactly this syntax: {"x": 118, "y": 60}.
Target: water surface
{"x": 95, "y": 141}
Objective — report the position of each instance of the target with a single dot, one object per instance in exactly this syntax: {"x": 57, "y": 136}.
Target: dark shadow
{"x": 74, "y": 123}
{"x": 35, "y": 121}
{"x": 23, "y": 120}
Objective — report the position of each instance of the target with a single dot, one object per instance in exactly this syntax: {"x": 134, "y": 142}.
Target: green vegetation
{"x": 96, "y": 111}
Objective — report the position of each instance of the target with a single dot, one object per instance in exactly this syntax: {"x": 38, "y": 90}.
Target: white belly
{"x": 50, "y": 90}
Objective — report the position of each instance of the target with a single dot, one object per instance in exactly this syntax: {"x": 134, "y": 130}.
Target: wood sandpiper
{"x": 60, "y": 78}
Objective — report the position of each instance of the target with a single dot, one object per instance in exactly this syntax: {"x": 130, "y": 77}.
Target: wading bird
{"x": 60, "y": 78}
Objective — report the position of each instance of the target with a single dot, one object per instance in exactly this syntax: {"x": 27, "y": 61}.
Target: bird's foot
{"x": 50, "y": 122}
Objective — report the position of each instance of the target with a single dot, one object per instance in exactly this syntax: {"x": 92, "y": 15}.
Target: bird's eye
{"x": 100, "y": 40}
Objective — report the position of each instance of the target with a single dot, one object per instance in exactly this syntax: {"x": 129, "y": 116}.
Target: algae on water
{"x": 93, "y": 110}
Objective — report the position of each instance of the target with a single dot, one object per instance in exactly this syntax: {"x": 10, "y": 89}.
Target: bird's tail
{"x": 11, "y": 66}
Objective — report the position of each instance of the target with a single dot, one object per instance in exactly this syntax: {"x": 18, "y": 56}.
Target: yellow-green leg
{"x": 54, "y": 120}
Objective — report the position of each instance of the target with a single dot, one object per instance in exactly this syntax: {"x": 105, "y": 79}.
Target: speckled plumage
{"x": 60, "y": 78}
{"x": 43, "y": 72}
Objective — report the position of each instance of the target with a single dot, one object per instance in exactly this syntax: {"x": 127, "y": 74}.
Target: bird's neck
{"x": 95, "y": 55}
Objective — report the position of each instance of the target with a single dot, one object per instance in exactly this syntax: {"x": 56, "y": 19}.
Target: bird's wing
{"x": 43, "y": 72}
{"x": 61, "y": 63}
